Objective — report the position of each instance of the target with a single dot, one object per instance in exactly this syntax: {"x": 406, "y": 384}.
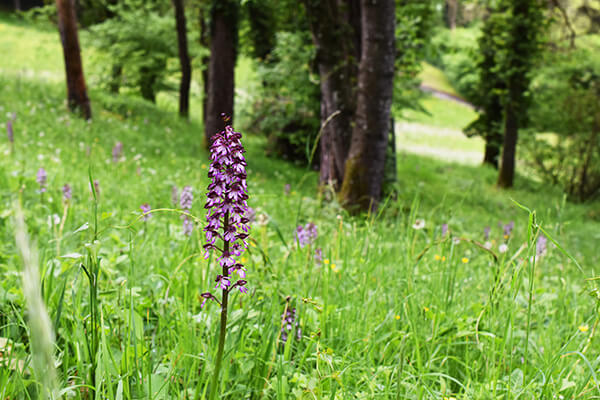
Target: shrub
{"x": 286, "y": 109}
{"x": 137, "y": 45}
{"x": 566, "y": 109}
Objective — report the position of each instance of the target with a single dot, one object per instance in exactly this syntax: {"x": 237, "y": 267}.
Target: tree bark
{"x": 364, "y": 169}
{"x": 511, "y": 131}
{"x": 184, "y": 59}
{"x": 451, "y": 13}
{"x": 205, "y": 42}
{"x": 76, "y": 89}
{"x": 221, "y": 67}
{"x": 491, "y": 155}
{"x": 335, "y": 29}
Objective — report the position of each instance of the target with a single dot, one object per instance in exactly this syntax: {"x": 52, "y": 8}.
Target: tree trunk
{"x": 76, "y": 89}
{"x": 335, "y": 29}
{"x": 364, "y": 170}
{"x": 509, "y": 149}
{"x": 184, "y": 59}
{"x": 205, "y": 42}
{"x": 451, "y": 13}
{"x": 221, "y": 67}
{"x": 493, "y": 144}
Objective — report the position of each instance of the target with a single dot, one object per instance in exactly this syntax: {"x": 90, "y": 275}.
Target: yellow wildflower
{"x": 326, "y": 261}
{"x": 443, "y": 258}
{"x": 465, "y": 260}
{"x": 584, "y": 328}
{"x": 397, "y": 317}
{"x": 425, "y": 309}
{"x": 437, "y": 257}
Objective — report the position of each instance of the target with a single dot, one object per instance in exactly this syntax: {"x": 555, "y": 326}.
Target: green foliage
{"x": 566, "y": 108}
{"x": 137, "y": 46}
{"x": 414, "y": 23}
{"x": 456, "y": 52}
{"x": 286, "y": 108}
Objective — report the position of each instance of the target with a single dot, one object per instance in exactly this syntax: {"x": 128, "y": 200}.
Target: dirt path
{"x": 445, "y": 96}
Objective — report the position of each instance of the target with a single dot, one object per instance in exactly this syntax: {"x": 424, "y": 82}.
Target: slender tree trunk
{"x": 451, "y": 13}
{"x": 364, "y": 172}
{"x": 221, "y": 67}
{"x": 205, "y": 42}
{"x": 335, "y": 29}
{"x": 511, "y": 132}
{"x": 17, "y": 5}
{"x": 184, "y": 59}
{"x": 76, "y": 89}
{"x": 493, "y": 145}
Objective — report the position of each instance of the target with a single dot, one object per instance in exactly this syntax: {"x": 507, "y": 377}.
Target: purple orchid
{"x": 307, "y": 234}
{"x": 66, "y": 190}
{"x": 228, "y": 210}
{"x": 117, "y": 152}
{"x": 41, "y": 178}
{"x": 486, "y": 232}
{"x": 289, "y": 325}
{"x": 185, "y": 201}
{"x": 226, "y": 220}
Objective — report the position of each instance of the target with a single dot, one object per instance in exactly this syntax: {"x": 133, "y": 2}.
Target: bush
{"x": 565, "y": 107}
{"x": 286, "y": 109}
{"x": 136, "y": 46}
{"x": 456, "y": 52}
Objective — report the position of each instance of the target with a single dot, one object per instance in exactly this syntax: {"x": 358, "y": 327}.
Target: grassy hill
{"x": 395, "y": 308}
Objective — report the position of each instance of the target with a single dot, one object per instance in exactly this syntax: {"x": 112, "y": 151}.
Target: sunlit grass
{"x": 391, "y": 312}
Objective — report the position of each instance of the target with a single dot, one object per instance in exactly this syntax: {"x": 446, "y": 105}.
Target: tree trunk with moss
{"x": 76, "y": 89}
{"x": 221, "y": 66}
{"x": 335, "y": 29}
{"x": 364, "y": 169}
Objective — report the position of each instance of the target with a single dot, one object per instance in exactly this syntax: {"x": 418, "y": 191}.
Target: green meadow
{"x": 398, "y": 307}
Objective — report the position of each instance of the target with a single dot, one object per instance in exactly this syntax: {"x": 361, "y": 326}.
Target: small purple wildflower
{"x": 97, "y": 187}
{"x": 9, "y": 131}
{"x": 444, "y": 229}
{"x": 287, "y": 188}
{"x": 508, "y": 228}
{"x": 289, "y": 325}
{"x": 66, "y": 190}
{"x": 146, "y": 209}
{"x": 41, "y": 179}
{"x": 307, "y": 234}
{"x": 185, "y": 201}
{"x": 117, "y": 152}
{"x": 319, "y": 255}
{"x": 486, "y": 232}
{"x": 541, "y": 246}
{"x": 227, "y": 217}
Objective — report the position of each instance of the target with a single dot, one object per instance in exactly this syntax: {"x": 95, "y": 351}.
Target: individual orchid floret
{"x": 41, "y": 178}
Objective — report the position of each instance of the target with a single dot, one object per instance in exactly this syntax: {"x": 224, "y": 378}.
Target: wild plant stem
{"x": 223, "y": 329}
